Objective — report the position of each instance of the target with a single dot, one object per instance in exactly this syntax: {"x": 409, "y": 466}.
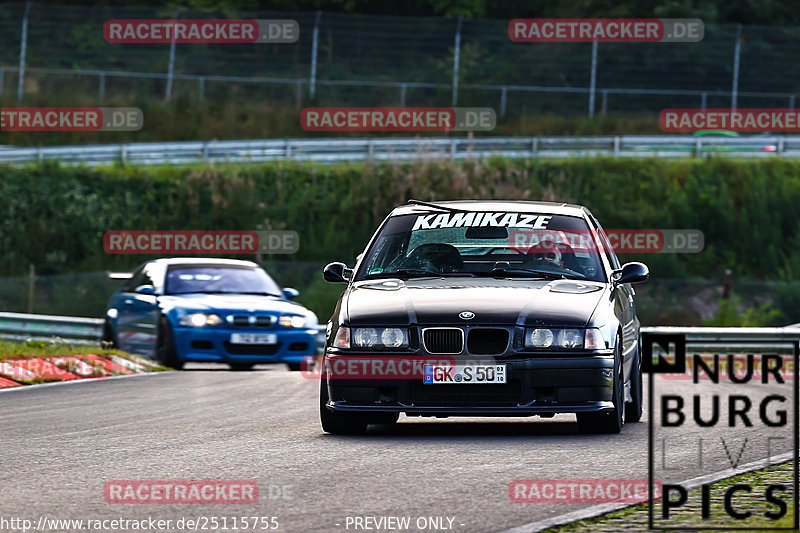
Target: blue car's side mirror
{"x": 290, "y": 293}
{"x": 145, "y": 289}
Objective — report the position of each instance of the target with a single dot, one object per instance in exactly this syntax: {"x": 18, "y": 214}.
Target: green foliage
{"x": 730, "y": 314}
{"x": 56, "y": 216}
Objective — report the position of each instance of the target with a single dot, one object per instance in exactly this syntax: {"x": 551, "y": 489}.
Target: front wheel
{"x": 608, "y": 422}
{"x": 634, "y": 409}
{"x": 166, "y": 353}
{"x": 339, "y": 423}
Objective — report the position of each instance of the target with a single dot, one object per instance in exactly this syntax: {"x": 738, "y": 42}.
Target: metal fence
{"x": 378, "y": 60}
{"x": 402, "y": 149}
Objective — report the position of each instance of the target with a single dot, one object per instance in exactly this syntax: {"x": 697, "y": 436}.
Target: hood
{"x": 494, "y": 301}
{"x": 231, "y": 302}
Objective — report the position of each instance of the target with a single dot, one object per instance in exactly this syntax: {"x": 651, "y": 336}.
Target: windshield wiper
{"x": 527, "y": 272}
{"x": 417, "y": 273}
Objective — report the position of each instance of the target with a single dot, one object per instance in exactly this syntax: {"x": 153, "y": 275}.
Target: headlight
{"x": 292, "y": 321}
{"x": 539, "y": 338}
{"x": 198, "y": 320}
{"x": 380, "y": 338}
{"x": 564, "y": 338}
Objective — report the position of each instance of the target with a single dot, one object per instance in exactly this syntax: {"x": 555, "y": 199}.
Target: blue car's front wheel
{"x": 166, "y": 353}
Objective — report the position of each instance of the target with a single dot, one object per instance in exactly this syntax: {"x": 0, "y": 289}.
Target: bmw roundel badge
{"x": 467, "y": 315}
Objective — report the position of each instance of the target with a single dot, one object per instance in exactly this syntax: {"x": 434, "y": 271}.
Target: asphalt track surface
{"x": 62, "y": 443}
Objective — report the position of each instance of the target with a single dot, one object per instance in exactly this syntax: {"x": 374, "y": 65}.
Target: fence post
{"x": 23, "y": 48}
{"x": 102, "y": 89}
{"x": 31, "y": 286}
{"x": 736, "y": 52}
{"x": 791, "y": 98}
{"x": 171, "y": 69}
{"x": 703, "y": 100}
{"x": 604, "y": 103}
{"x": 593, "y": 79}
{"x": 456, "y": 59}
{"x": 312, "y": 85}
{"x": 2, "y": 71}
{"x": 403, "y": 87}
{"x": 503, "y": 98}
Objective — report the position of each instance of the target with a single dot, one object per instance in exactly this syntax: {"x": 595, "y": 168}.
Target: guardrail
{"x": 399, "y": 148}
{"x": 73, "y": 330}
{"x": 742, "y": 340}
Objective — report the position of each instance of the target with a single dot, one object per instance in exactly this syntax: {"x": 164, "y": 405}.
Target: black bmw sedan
{"x": 474, "y": 308}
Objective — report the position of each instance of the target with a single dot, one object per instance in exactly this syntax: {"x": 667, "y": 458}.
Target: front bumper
{"x": 213, "y": 344}
{"x": 535, "y": 386}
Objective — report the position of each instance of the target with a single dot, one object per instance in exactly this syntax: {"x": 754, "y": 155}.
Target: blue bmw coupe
{"x": 200, "y": 309}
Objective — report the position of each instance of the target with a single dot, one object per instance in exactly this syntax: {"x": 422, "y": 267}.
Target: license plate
{"x": 460, "y": 374}
{"x": 254, "y": 338}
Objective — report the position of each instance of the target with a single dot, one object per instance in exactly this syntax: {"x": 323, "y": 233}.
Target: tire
{"x": 166, "y": 353}
{"x": 295, "y": 367}
{"x": 634, "y": 408}
{"x": 109, "y": 340}
{"x": 339, "y": 423}
{"x": 608, "y": 422}
{"x": 241, "y": 366}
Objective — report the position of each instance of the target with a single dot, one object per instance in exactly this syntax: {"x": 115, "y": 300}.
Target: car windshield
{"x": 498, "y": 244}
{"x": 219, "y": 280}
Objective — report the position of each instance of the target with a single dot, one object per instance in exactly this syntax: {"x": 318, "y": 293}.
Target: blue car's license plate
{"x": 254, "y": 338}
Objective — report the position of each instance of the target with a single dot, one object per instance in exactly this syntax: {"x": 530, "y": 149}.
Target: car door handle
{"x": 129, "y": 302}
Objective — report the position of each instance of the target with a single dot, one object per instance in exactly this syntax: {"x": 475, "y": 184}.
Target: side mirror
{"x": 630, "y": 273}
{"x": 145, "y": 289}
{"x": 290, "y": 293}
{"x": 336, "y": 273}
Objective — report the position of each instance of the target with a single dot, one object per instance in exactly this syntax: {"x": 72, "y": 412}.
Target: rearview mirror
{"x": 630, "y": 273}
{"x": 336, "y": 273}
{"x": 486, "y": 232}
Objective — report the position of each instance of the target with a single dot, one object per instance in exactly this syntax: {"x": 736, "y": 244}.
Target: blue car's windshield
{"x": 219, "y": 280}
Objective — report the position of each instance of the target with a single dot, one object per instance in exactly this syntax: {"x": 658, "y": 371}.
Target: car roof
{"x": 209, "y": 261}
{"x": 553, "y": 208}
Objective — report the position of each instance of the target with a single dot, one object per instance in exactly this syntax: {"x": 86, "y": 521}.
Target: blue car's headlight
{"x": 199, "y": 320}
{"x": 292, "y": 321}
